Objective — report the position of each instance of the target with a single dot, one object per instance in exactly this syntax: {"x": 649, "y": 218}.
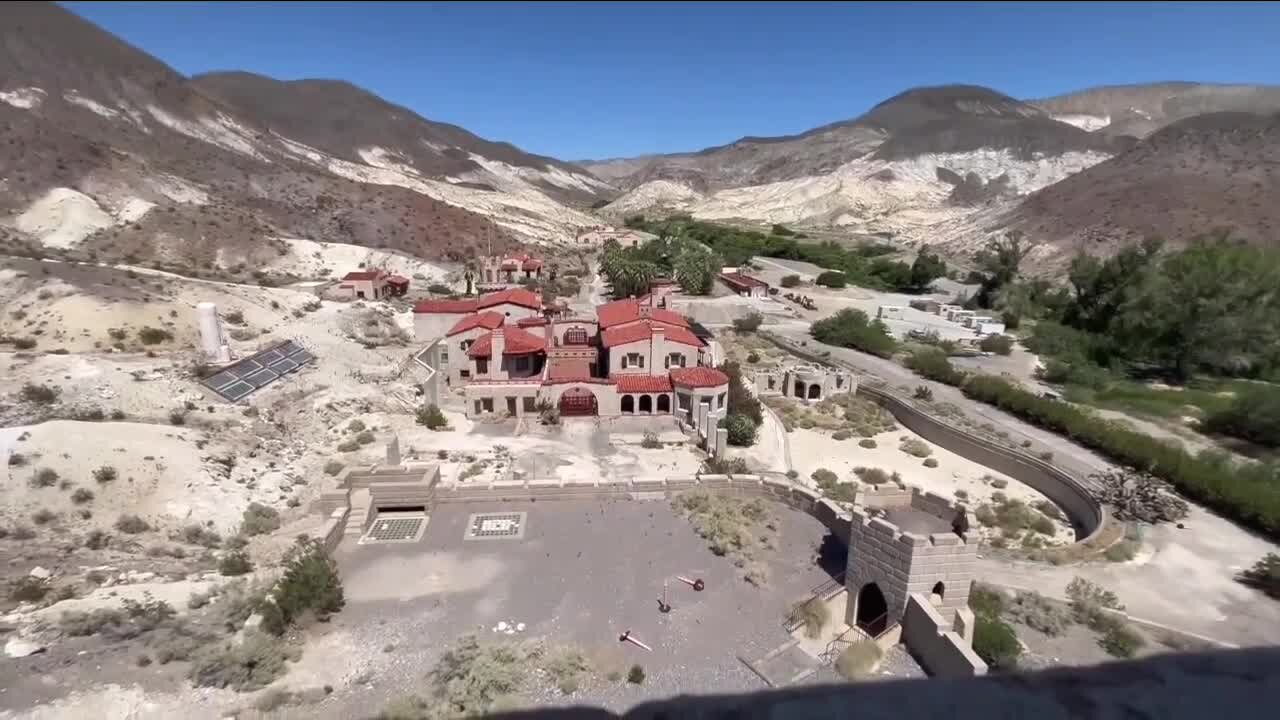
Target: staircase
{"x": 360, "y": 501}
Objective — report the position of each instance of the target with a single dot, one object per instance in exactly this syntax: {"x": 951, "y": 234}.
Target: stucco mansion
{"x": 511, "y": 354}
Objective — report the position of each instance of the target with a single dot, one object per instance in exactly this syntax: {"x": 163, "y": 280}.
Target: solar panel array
{"x": 238, "y": 380}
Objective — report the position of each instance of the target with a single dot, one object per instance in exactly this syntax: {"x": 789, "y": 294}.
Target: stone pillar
{"x": 722, "y": 439}
{"x": 963, "y": 624}
{"x": 393, "y": 450}
{"x": 704, "y": 407}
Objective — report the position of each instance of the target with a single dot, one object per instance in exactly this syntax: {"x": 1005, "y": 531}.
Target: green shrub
{"x": 998, "y": 344}
{"x": 635, "y": 675}
{"x": 915, "y": 447}
{"x": 741, "y": 430}
{"x": 841, "y": 435}
{"x": 196, "y": 534}
{"x": 132, "y": 524}
{"x": 105, "y": 474}
{"x": 867, "y": 443}
{"x": 82, "y": 496}
{"x": 44, "y": 477}
{"x": 985, "y": 516}
{"x": 17, "y": 460}
{"x": 858, "y": 660}
{"x": 790, "y": 281}
{"x": 832, "y": 279}
{"x": 812, "y": 614}
{"x": 24, "y": 343}
{"x": 39, "y": 394}
{"x": 356, "y": 426}
{"x": 431, "y": 416}
{"x": 650, "y": 441}
{"x": 923, "y": 392}
{"x": 1038, "y": 613}
{"x": 333, "y": 467}
{"x": 873, "y": 476}
{"x": 1252, "y": 416}
{"x": 1264, "y": 576}
{"x": 235, "y": 562}
{"x": 28, "y": 589}
{"x": 985, "y": 600}
{"x": 823, "y": 476}
{"x": 365, "y": 438}
{"x": 310, "y": 584}
{"x": 1048, "y": 509}
{"x": 250, "y": 665}
{"x": 1123, "y": 551}
{"x": 43, "y": 516}
{"x": 931, "y": 462}
{"x": 348, "y": 446}
{"x": 853, "y": 329}
{"x": 258, "y": 519}
{"x": 740, "y": 400}
{"x": 996, "y": 643}
{"x": 933, "y": 364}
{"x": 1121, "y": 640}
{"x": 177, "y": 417}
{"x": 753, "y": 357}
{"x": 999, "y": 483}
{"x": 154, "y": 336}
{"x": 750, "y": 323}
{"x": 96, "y": 540}
{"x": 1243, "y": 492}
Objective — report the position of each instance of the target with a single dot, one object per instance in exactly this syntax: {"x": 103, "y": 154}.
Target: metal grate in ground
{"x": 395, "y": 528}
{"x": 495, "y": 526}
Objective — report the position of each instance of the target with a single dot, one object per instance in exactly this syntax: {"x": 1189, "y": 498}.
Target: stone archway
{"x": 798, "y": 391}
{"x": 872, "y": 615}
{"x": 577, "y": 402}
{"x": 628, "y": 405}
{"x": 664, "y": 403}
{"x": 938, "y": 592}
{"x": 646, "y": 404}
{"x": 815, "y": 391}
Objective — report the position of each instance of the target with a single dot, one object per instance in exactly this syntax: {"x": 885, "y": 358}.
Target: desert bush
{"x": 1048, "y": 509}
{"x": 348, "y": 446}
{"x": 43, "y": 516}
{"x": 333, "y": 467}
{"x": 841, "y": 435}
{"x": 96, "y": 539}
{"x": 153, "y": 336}
{"x": 1241, "y": 491}
{"x": 1089, "y": 600}
{"x": 823, "y": 476}
{"x": 1252, "y": 416}
{"x": 996, "y": 643}
{"x": 356, "y": 426}
{"x": 1264, "y": 576}
{"x": 177, "y": 416}
{"x": 24, "y": 343}
{"x": 867, "y": 443}
{"x": 790, "y": 281}
{"x": 259, "y": 519}
{"x": 365, "y": 438}
{"x": 729, "y": 525}
{"x": 650, "y": 441}
{"x": 999, "y": 483}
{"x": 39, "y": 394}
{"x": 196, "y": 534}
{"x": 431, "y": 416}
{"x": 310, "y": 584}
{"x": 998, "y": 344}
{"x": 853, "y": 329}
{"x": 22, "y": 532}
{"x": 742, "y": 431}
{"x": 740, "y": 400}
{"x": 28, "y": 589}
{"x": 1038, "y": 613}
{"x": 250, "y": 665}
{"x": 235, "y": 317}
{"x": 872, "y": 476}
{"x": 636, "y": 675}
{"x": 915, "y": 447}
{"x": 17, "y": 460}
{"x": 931, "y": 462}
{"x": 832, "y": 279}
{"x": 44, "y": 478}
{"x": 1123, "y": 551}
{"x": 235, "y": 562}
{"x": 1120, "y": 640}
{"x": 132, "y": 524}
{"x": 753, "y": 357}
{"x": 812, "y": 614}
{"x": 986, "y": 600}
{"x": 858, "y": 660}
{"x": 923, "y": 392}
{"x": 747, "y": 324}
{"x": 932, "y": 363}
{"x": 105, "y": 474}
{"x": 724, "y": 466}
{"x": 565, "y": 668}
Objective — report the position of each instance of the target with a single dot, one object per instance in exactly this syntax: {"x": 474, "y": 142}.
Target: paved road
{"x": 1182, "y": 578}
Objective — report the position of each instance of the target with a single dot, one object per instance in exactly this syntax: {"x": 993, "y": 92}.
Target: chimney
{"x": 657, "y": 350}
{"x": 497, "y": 344}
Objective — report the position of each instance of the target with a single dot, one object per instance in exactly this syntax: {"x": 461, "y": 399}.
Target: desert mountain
{"x": 1140, "y": 110}
{"x": 108, "y": 152}
{"x": 1190, "y": 177}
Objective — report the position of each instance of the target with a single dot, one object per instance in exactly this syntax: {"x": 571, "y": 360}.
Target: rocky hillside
{"x": 1139, "y": 110}
{"x": 1205, "y": 172}
{"x": 110, "y": 153}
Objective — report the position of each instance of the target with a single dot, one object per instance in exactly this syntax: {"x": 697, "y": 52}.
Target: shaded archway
{"x": 646, "y": 404}
{"x": 873, "y": 610}
{"x": 799, "y": 390}
{"x": 938, "y": 592}
{"x": 578, "y": 401}
{"x": 628, "y": 404}
{"x": 815, "y": 391}
{"x": 664, "y": 403}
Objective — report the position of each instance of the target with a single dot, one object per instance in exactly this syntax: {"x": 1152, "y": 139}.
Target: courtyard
{"x": 576, "y": 573}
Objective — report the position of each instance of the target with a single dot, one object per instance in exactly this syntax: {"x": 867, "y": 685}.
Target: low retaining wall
{"x": 941, "y": 651}
{"x": 1086, "y": 514}
{"x": 832, "y": 516}
{"x": 333, "y": 528}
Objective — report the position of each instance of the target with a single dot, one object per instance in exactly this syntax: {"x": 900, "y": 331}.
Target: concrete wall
{"x": 429, "y": 326}
{"x": 606, "y": 396}
{"x": 498, "y": 393}
{"x": 941, "y": 651}
{"x": 653, "y": 357}
{"x": 331, "y": 531}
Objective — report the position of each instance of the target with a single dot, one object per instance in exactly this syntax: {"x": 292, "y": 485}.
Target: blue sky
{"x": 593, "y": 80}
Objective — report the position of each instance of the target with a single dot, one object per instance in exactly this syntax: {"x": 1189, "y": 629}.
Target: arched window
{"x": 646, "y": 404}
{"x": 628, "y": 404}
{"x": 664, "y": 403}
{"x": 575, "y": 336}
{"x": 938, "y": 593}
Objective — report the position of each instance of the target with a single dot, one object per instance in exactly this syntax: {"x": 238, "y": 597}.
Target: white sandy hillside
{"x": 312, "y": 259}
{"x": 665, "y": 194}
{"x": 1088, "y": 123}
{"x": 62, "y": 218}
{"x": 26, "y": 98}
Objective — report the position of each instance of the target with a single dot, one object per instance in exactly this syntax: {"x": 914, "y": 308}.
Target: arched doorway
{"x": 646, "y": 404}
{"x": 938, "y": 592}
{"x": 815, "y": 390}
{"x": 873, "y": 610}
{"x": 628, "y": 404}
{"x": 664, "y": 403}
{"x": 799, "y": 390}
{"x": 578, "y": 401}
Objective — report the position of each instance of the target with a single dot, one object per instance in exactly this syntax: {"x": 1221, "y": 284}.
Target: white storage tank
{"x": 212, "y": 342}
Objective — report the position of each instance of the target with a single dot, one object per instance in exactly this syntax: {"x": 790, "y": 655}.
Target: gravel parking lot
{"x": 583, "y": 573}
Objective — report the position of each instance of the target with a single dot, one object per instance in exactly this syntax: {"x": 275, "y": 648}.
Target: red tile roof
{"x": 516, "y": 342}
{"x": 641, "y": 383}
{"x": 697, "y": 377}
{"x": 742, "y": 282}
{"x": 620, "y": 312}
{"x": 532, "y": 322}
{"x": 514, "y": 296}
{"x": 445, "y": 307}
{"x": 398, "y": 280}
{"x": 643, "y": 330}
{"x": 530, "y": 263}
{"x": 486, "y": 320}
{"x": 364, "y": 275}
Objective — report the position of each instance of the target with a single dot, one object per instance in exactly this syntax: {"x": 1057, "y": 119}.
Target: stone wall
{"x": 941, "y": 651}
{"x": 332, "y": 529}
